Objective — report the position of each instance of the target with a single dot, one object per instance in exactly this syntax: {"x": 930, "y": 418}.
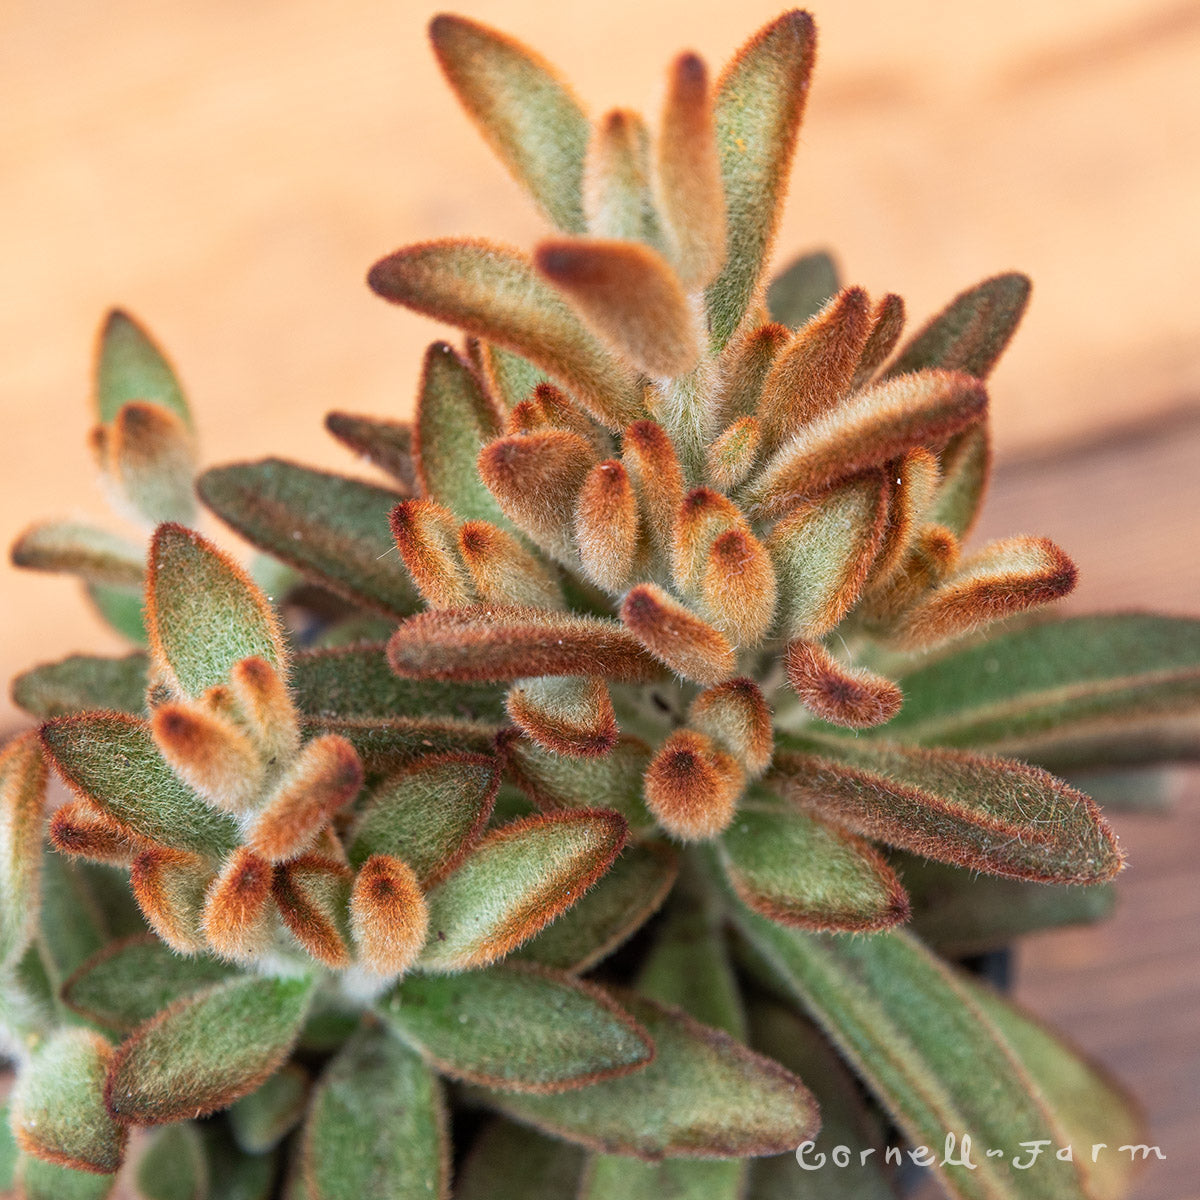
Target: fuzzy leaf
{"x": 72, "y": 548}
{"x": 621, "y": 902}
{"x": 58, "y": 1111}
{"x": 852, "y": 697}
{"x": 1078, "y": 691}
{"x": 496, "y": 293}
{"x": 173, "y": 1165}
{"x": 971, "y": 332}
{"x": 615, "y": 1177}
{"x": 40, "y": 1180}
{"x": 333, "y": 529}
{"x": 759, "y": 102}
{"x": 376, "y": 1129}
{"x": 130, "y": 366}
{"x": 428, "y": 815}
{"x": 606, "y": 525}
{"x": 692, "y": 786}
{"x": 516, "y": 880}
{"x": 120, "y": 609}
{"x": 519, "y": 1028}
{"x": 704, "y": 1095}
{"x": 802, "y": 288}
{"x": 83, "y": 682}
{"x": 206, "y": 1050}
{"x": 494, "y": 642}
{"x": 131, "y": 979}
{"x": 989, "y": 814}
{"x": 803, "y": 872}
{"x": 385, "y": 444}
{"x": 676, "y": 636}
{"x": 150, "y": 454}
{"x": 527, "y": 113}
{"x": 454, "y": 421}
{"x": 566, "y": 715}
{"x": 22, "y": 816}
{"x": 385, "y": 746}
{"x": 510, "y": 378}
{"x": 204, "y": 613}
{"x": 966, "y": 465}
{"x": 916, "y": 1037}
{"x": 261, "y": 1119}
{"x": 110, "y": 760}
{"x": 617, "y": 198}
{"x": 510, "y": 1162}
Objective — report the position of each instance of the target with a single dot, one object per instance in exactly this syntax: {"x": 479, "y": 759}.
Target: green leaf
{"x": 333, "y": 529}
{"x": 966, "y": 464}
{"x": 234, "y": 1175}
{"x": 9, "y": 1150}
{"x": 913, "y": 1033}
{"x": 150, "y": 456}
{"x": 704, "y": 1095}
{"x": 620, "y": 904}
{"x": 759, "y": 102}
{"x": 527, "y": 113}
{"x": 130, "y": 366}
{"x": 207, "y": 1050}
{"x": 73, "y": 924}
{"x": 454, "y": 421}
{"x": 1090, "y": 1106}
{"x": 58, "y": 1111}
{"x": 496, "y": 293}
{"x": 386, "y": 746}
{"x": 121, "y": 610}
{"x": 22, "y": 817}
{"x": 802, "y": 288}
{"x": 971, "y": 332}
{"x": 516, "y": 880}
{"x": 356, "y": 681}
{"x": 39, "y": 1180}
{"x": 204, "y": 613}
{"x": 989, "y": 814}
{"x": 510, "y": 1162}
{"x": 173, "y": 1166}
{"x": 262, "y": 1119}
{"x": 129, "y": 980}
{"x": 614, "y": 1177}
{"x": 376, "y": 1129}
{"x": 519, "y": 1027}
{"x": 82, "y": 682}
{"x": 1074, "y": 692}
{"x": 429, "y": 815}
{"x": 385, "y": 444}
{"x": 511, "y": 378}
{"x": 111, "y": 760}
{"x": 958, "y": 912}
{"x": 72, "y": 548}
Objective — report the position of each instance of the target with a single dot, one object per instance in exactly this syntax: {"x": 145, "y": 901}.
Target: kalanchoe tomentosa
{"x": 691, "y": 664}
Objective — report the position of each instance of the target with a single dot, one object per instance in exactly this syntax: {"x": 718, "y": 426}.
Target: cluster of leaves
{"x": 681, "y": 680}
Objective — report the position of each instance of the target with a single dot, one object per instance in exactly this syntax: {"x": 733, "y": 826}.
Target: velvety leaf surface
{"x": 1071, "y": 692}
{"x": 510, "y": 1162}
{"x": 148, "y": 454}
{"x": 516, "y": 880}
{"x": 375, "y": 1129}
{"x": 615, "y": 1177}
{"x": 131, "y": 979}
{"x": 72, "y": 548}
{"x": 333, "y": 529}
{"x": 705, "y": 1095}
{"x": 111, "y": 760}
{"x": 989, "y": 814}
{"x": 385, "y": 444}
{"x": 206, "y": 1050}
{"x": 517, "y": 1027}
{"x": 82, "y": 682}
{"x": 384, "y": 746}
{"x": 204, "y": 613}
{"x": 800, "y": 871}
{"x": 40, "y": 1180}
{"x": 914, "y": 1034}
{"x": 268, "y": 1114}
{"x": 130, "y": 366}
{"x": 173, "y": 1166}
{"x": 22, "y": 815}
{"x": 802, "y": 288}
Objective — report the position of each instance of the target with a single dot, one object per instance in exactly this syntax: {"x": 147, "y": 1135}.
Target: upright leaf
{"x": 22, "y": 815}
{"x": 130, "y": 366}
{"x": 802, "y": 288}
{"x": 385, "y": 444}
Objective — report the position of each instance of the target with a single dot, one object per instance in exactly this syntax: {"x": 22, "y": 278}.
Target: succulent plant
{"x": 572, "y": 792}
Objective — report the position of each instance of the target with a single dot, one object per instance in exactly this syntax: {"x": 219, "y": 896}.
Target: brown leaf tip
{"x": 851, "y": 697}
{"x": 389, "y": 918}
{"x": 692, "y": 787}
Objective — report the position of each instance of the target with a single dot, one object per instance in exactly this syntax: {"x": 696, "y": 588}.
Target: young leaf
{"x": 924, "y": 1047}
{"x": 852, "y": 697}
{"x": 802, "y": 288}
{"x": 677, "y": 637}
{"x": 514, "y": 882}
{"x": 264, "y": 1117}
{"x": 989, "y": 814}
{"x": 389, "y": 919}
{"x": 803, "y": 872}
{"x": 510, "y": 1162}
{"x": 616, "y": 180}
{"x": 527, "y": 113}
{"x": 503, "y": 571}
{"x": 22, "y": 815}
{"x": 206, "y": 1050}
{"x": 111, "y": 761}
{"x": 426, "y": 535}
{"x": 83, "y": 682}
{"x": 509, "y": 377}
{"x": 170, "y": 887}
{"x": 131, "y": 979}
{"x": 692, "y": 786}
{"x": 569, "y": 715}
{"x": 966, "y": 465}
{"x": 759, "y": 102}
{"x": 735, "y": 715}
{"x": 747, "y": 363}
{"x": 204, "y": 613}
{"x": 210, "y": 753}
{"x": 72, "y": 548}
{"x": 313, "y": 896}
{"x": 606, "y": 525}
{"x": 731, "y": 457}
{"x": 519, "y": 1028}
{"x": 332, "y": 529}
{"x": 239, "y": 919}
{"x": 58, "y": 1111}
{"x": 704, "y": 1095}
{"x": 376, "y": 1127}
{"x": 387, "y": 445}
{"x": 887, "y": 326}
{"x": 130, "y": 366}
{"x": 150, "y": 454}
{"x": 496, "y": 293}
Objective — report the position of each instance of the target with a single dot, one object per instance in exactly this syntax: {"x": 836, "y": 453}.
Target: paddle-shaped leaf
{"x": 83, "y": 682}
{"x": 704, "y": 1095}
{"x": 915, "y": 1035}
{"x": 72, "y": 548}
{"x": 517, "y": 1027}
{"x": 204, "y": 613}
{"x": 332, "y": 529}
{"x": 130, "y": 366}
{"x": 376, "y": 1129}
{"x": 527, "y": 113}
{"x": 206, "y": 1050}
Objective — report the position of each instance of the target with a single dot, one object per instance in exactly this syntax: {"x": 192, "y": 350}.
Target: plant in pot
{"x": 597, "y": 808}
